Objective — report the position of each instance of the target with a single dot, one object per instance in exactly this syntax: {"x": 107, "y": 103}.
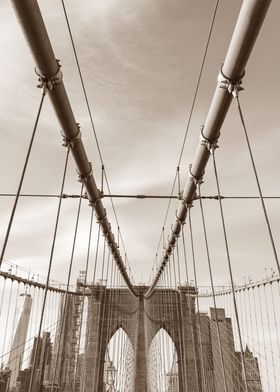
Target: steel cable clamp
{"x": 83, "y": 178}
{"x": 196, "y": 179}
{"x": 49, "y": 82}
{"x": 233, "y": 86}
{"x": 210, "y": 144}
{"x": 181, "y": 221}
{"x": 71, "y": 141}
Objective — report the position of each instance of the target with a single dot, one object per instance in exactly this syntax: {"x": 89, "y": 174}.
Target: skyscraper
{"x": 17, "y": 349}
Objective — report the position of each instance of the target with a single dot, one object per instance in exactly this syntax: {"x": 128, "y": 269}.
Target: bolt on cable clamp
{"x": 233, "y": 86}
{"x": 177, "y": 235}
{"x": 180, "y": 195}
{"x": 171, "y": 244}
{"x": 210, "y": 144}
{"x": 197, "y": 180}
{"x": 71, "y": 141}
{"x": 49, "y": 82}
{"x": 83, "y": 178}
{"x": 101, "y": 220}
{"x": 181, "y": 221}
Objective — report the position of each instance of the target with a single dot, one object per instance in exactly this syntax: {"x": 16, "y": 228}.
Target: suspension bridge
{"x": 77, "y": 320}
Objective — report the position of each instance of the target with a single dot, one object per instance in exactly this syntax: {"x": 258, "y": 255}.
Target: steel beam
{"x": 247, "y": 28}
{"x": 33, "y": 26}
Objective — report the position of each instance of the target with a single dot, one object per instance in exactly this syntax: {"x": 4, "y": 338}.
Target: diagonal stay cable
{"x": 247, "y": 28}
{"x": 258, "y": 183}
{"x": 44, "y": 91}
{"x": 192, "y": 106}
{"x": 88, "y": 107}
{"x": 82, "y": 79}
{"x": 199, "y": 80}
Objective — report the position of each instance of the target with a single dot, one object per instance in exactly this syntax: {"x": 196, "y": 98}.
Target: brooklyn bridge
{"x": 136, "y": 255}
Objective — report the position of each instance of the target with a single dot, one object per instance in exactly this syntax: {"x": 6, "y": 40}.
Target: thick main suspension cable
{"x": 49, "y": 72}
{"x": 247, "y": 28}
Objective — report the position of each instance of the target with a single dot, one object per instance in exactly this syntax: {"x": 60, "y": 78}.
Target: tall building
{"x": 172, "y": 377}
{"x": 41, "y": 364}
{"x": 43, "y": 359}
{"x": 4, "y": 379}
{"x": 216, "y": 337}
{"x": 252, "y": 371}
{"x": 65, "y": 352}
{"x": 18, "y": 345}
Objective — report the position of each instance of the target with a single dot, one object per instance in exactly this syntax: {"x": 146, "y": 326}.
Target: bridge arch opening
{"x": 119, "y": 365}
{"x": 162, "y": 364}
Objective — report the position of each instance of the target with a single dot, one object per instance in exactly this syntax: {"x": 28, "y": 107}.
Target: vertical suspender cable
{"x": 229, "y": 267}
{"x": 6, "y": 324}
{"x": 2, "y": 296}
{"x": 50, "y": 265}
{"x": 270, "y": 338}
{"x": 212, "y": 289}
{"x": 275, "y": 318}
{"x": 263, "y": 336}
{"x": 197, "y": 300}
{"x": 251, "y": 319}
{"x": 66, "y": 303}
{"x": 84, "y": 290}
{"x": 102, "y": 304}
{"x": 256, "y": 320}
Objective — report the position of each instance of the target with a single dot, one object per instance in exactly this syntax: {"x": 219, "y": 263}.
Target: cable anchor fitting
{"x": 196, "y": 179}
{"x": 233, "y": 86}
{"x": 71, "y": 141}
{"x": 210, "y": 144}
{"x": 49, "y": 82}
{"x": 92, "y": 203}
{"x": 83, "y": 178}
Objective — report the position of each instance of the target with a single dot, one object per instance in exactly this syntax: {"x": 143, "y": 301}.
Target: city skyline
{"x": 157, "y": 267}
{"x": 140, "y": 65}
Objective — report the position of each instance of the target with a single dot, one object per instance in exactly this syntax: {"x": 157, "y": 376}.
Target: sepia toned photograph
{"x": 139, "y": 196}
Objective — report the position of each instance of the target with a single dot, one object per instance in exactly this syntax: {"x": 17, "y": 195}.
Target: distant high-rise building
{"x": 22, "y": 382}
{"x": 18, "y": 345}
{"x": 4, "y": 379}
{"x": 66, "y": 350}
{"x": 173, "y": 376}
{"x": 43, "y": 359}
{"x": 252, "y": 372}
{"x": 216, "y": 337}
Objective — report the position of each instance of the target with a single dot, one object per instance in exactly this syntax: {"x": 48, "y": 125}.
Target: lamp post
{"x": 111, "y": 376}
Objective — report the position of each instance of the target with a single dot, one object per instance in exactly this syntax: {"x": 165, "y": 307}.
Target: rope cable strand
{"x": 197, "y": 298}
{"x": 229, "y": 266}
{"x": 212, "y": 288}
{"x": 258, "y": 184}
{"x": 66, "y": 302}
{"x": 191, "y": 113}
{"x": 22, "y": 177}
{"x": 50, "y": 266}
{"x": 104, "y": 174}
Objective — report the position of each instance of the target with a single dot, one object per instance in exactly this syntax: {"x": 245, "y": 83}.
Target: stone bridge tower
{"x": 141, "y": 319}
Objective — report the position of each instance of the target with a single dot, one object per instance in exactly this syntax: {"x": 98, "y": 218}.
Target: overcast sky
{"x": 140, "y": 61}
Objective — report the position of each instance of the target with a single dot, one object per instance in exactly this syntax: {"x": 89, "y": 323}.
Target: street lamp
{"x": 111, "y": 376}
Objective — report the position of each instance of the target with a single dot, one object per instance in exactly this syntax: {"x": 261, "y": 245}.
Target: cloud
{"x": 140, "y": 63}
